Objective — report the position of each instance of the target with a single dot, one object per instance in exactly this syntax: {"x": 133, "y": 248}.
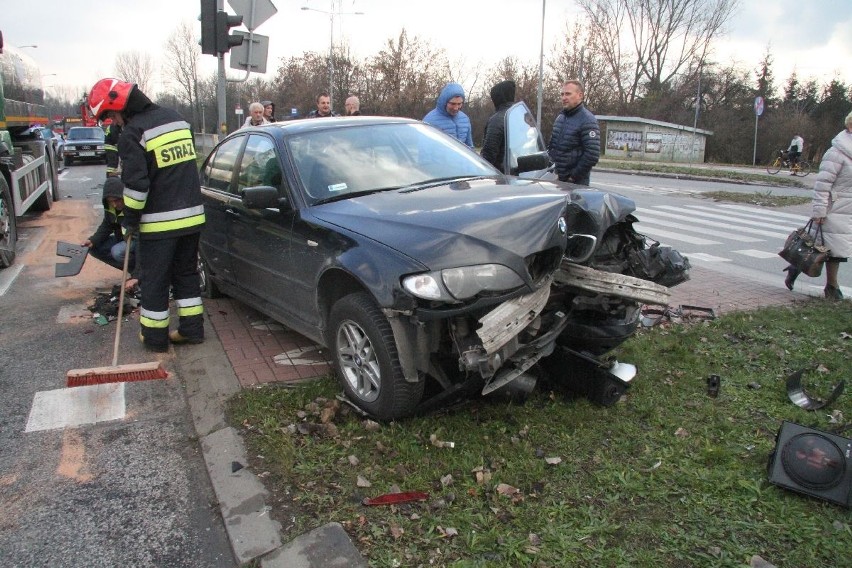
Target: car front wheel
{"x": 366, "y": 359}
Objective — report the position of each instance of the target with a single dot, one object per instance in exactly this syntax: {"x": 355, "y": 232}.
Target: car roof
{"x": 301, "y": 125}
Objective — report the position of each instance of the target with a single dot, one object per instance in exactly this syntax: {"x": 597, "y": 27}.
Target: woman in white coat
{"x": 832, "y": 208}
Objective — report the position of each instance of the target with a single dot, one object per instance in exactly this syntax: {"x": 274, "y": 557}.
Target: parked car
{"x": 59, "y": 144}
{"x": 85, "y": 143}
{"x": 427, "y": 273}
{"x": 56, "y": 140}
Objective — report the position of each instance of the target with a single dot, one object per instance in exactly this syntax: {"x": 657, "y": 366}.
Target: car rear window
{"x": 86, "y": 134}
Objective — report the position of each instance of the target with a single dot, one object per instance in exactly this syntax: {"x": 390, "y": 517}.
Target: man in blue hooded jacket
{"x": 448, "y": 117}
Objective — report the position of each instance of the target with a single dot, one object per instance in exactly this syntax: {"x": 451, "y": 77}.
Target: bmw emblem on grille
{"x": 563, "y": 226}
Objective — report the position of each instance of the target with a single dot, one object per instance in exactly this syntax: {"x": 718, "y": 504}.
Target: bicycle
{"x": 782, "y": 160}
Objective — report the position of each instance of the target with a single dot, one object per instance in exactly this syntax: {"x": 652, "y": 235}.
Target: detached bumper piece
{"x": 76, "y": 253}
{"x": 601, "y": 382}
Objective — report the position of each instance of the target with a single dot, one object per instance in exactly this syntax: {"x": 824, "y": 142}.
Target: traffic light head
{"x": 208, "y": 27}
{"x": 224, "y": 40}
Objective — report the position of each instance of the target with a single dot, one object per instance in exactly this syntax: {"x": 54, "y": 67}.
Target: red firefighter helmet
{"x": 109, "y": 94}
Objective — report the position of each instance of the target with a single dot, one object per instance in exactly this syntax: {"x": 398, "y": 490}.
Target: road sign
{"x": 758, "y": 106}
{"x": 254, "y": 12}
{"x": 238, "y": 110}
{"x": 259, "y": 53}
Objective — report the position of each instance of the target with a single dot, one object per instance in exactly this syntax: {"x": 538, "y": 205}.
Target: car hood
{"x": 498, "y": 219}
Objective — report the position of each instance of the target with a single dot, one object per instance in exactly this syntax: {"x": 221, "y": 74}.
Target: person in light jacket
{"x": 832, "y": 209}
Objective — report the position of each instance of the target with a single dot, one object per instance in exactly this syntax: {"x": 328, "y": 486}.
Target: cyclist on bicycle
{"x": 797, "y": 144}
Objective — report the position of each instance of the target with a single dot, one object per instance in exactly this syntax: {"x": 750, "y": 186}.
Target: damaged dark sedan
{"x": 427, "y": 273}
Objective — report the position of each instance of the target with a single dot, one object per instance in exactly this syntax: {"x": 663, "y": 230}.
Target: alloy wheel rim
{"x": 358, "y": 361}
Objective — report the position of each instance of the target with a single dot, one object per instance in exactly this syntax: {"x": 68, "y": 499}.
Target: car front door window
{"x": 259, "y": 164}
{"x": 522, "y": 136}
{"x": 220, "y": 168}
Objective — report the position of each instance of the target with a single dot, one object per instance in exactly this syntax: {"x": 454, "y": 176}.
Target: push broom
{"x": 116, "y": 373}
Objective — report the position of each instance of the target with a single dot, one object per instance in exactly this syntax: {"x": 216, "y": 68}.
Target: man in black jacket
{"x": 162, "y": 203}
{"x": 111, "y": 136}
{"x": 575, "y": 145}
{"x": 107, "y": 243}
{"x": 494, "y": 144}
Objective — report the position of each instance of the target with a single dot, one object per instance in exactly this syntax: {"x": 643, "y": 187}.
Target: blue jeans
{"x": 111, "y": 252}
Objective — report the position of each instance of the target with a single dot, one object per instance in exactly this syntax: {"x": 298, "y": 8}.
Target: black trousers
{"x": 170, "y": 263}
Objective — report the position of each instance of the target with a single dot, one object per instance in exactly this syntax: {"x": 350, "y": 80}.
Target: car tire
{"x": 68, "y": 161}
{"x": 8, "y": 226}
{"x": 45, "y": 200}
{"x": 366, "y": 359}
{"x": 208, "y": 286}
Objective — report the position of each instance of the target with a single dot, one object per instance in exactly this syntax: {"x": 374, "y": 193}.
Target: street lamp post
{"x": 331, "y": 13}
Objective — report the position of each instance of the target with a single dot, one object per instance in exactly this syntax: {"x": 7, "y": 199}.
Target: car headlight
{"x": 463, "y": 282}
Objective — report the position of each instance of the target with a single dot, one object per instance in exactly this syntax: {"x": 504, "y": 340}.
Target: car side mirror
{"x": 580, "y": 247}
{"x": 533, "y": 162}
{"x": 263, "y": 197}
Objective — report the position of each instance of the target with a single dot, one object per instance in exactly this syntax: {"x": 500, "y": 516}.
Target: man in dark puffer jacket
{"x": 575, "y": 145}
{"x": 494, "y": 145}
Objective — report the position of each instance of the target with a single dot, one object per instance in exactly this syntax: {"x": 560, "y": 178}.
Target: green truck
{"x": 28, "y": 161}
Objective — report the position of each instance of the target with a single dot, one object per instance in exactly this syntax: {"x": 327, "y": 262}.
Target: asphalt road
{"x": 733, "y": 238}
{"x": 125, "y": 486}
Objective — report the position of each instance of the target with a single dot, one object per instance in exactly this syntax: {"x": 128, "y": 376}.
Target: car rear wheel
{"x": 366, "y": 359}
{"x": 208, "y": 287}
{"x": 8, "y": 228}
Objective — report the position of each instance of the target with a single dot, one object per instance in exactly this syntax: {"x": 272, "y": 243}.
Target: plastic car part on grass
{"x": 800, "y": 398}
{"x": 396, "y": 498}
{"x": 652, "y": 316}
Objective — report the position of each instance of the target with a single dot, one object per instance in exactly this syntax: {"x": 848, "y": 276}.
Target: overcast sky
{"x": 78, "y": 39}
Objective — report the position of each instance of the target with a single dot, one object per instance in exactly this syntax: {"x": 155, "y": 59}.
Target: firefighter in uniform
{"x": 162, "y": 202}
{"x": 111, "y": 135}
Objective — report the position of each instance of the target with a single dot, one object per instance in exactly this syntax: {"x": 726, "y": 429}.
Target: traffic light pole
{"x": 220, "y": 95}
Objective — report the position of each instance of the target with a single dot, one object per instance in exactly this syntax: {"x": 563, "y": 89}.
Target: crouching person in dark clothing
{"x": 575, "y": 144}
{"x": 107, "y": 244}
{"x": 162, "y": 203}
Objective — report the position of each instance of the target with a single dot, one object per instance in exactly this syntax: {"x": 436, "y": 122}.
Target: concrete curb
{"x": 210, "y": 381}
{"x": 325, "y": 547}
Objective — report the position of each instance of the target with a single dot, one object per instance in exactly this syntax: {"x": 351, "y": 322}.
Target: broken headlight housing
{"x": 462, "y": 283}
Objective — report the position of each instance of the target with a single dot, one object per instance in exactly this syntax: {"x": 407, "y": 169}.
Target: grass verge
{"x": 667, "y": 477}
{"x": 762, "y": 198}
{"x": 716, "y": 173}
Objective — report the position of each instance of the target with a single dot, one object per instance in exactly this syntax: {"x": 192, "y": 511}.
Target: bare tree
{"x": 135, "y": 67}
{"x": 180, "y": 72}
{"x": 407, "y": 76}
{"x": 646, "y": 43}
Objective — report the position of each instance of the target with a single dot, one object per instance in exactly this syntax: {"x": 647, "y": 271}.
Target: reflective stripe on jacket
{"x": 160, "y": 174}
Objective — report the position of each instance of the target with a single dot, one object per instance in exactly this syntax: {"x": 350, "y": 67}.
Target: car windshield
{"x": 86, "y": 134}
{"x": 350, "y": 160}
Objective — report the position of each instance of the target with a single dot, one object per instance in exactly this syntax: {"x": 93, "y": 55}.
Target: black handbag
{"x": 806, "y": 250}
